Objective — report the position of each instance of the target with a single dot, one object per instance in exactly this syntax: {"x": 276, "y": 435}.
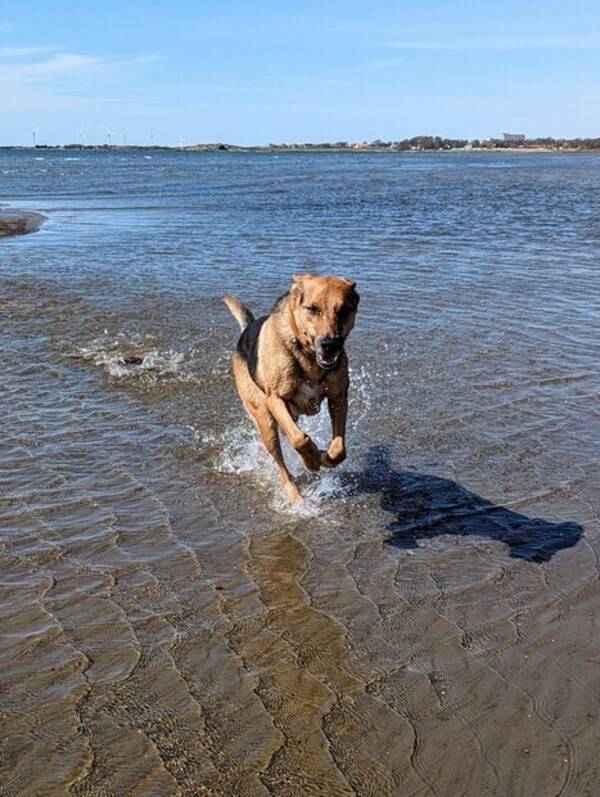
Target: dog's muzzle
{"x": 328, "y": 350}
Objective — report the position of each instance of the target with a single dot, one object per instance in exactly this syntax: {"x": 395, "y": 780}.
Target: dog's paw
{"x": 311, "y": 455}
{"x": 335, "y": 454}
{"x": 292, "y": 492}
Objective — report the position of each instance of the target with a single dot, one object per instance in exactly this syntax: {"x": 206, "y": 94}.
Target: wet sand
{"x": 427, "y": 624}
{"x": 155, "y": 646}
{"x": 19, "y": 222}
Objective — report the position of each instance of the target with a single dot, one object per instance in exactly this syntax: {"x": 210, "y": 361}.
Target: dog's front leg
{"x": 299, "y": 440}
{"x": 338, "y": 412}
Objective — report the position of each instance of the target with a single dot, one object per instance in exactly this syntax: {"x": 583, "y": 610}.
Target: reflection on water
{"x": 171, "y": 625}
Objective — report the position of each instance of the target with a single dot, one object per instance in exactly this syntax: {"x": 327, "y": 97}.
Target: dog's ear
{"x": 353, "y": 292}
{"x": 300, "y": 279}
{"x": 296, "y": 291}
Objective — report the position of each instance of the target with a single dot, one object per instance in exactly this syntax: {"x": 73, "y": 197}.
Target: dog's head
{"x": 323, "y": 309}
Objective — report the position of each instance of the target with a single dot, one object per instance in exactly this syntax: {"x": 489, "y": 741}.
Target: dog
{"x": 287, "y": 362}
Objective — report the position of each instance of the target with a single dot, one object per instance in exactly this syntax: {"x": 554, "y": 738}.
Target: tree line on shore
{"x": 416, "y": 143}
{"x": 425, "y": 143}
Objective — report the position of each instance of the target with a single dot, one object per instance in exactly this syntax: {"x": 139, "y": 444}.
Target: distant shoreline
{"x": 303, "y": 148}
{"x": 19, "y": 222}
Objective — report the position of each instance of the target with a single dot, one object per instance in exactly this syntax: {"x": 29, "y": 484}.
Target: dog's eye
{"x": 312, "y": 310}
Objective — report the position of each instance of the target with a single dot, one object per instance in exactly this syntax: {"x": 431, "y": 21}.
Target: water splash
{"x": 136, "y": 357}
{"x": 238, "y": 450}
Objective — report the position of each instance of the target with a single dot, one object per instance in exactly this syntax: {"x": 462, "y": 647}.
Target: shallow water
{"x": 426, "y": 622}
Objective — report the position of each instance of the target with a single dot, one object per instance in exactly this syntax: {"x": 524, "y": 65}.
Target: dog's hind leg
{"x": 268, "y": 430}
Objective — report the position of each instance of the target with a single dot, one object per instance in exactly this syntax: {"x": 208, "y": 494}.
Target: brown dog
{"x": 287, "y": 362}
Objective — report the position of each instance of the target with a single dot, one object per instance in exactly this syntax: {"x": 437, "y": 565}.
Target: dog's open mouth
{"x": 327, "y": 362}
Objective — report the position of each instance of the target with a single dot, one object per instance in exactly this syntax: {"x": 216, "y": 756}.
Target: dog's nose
{"x": 330, "y": 345}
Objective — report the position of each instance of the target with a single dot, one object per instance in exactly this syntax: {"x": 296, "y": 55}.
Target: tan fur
{"x": 288, "y": 379}
{"x": 239, "y": 311}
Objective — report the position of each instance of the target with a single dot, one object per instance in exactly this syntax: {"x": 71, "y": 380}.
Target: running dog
{"x": 287, "y": 362}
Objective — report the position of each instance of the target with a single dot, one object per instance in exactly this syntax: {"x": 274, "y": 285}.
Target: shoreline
{"x": 300, "y": 149}
{"x": 19, "y": 222}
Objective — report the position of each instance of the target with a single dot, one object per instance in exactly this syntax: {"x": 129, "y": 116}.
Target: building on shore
{"x": 514, "y": 138}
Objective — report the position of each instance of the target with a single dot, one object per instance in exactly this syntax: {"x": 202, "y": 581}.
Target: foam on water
{"x": 238, "y": 450}
{"x": 135, "y": 357}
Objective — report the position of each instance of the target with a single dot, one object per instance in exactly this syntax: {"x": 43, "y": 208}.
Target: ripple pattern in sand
{"x": 155, "y": 645}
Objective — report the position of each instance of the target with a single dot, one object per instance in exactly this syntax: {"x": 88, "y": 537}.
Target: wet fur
{"x": 277, "y": 371}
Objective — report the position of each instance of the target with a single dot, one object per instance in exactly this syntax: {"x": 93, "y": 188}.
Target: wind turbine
{"x": 180, "y": 142}
{"x": 124, "y": 137}
{"x": 82, "y": 136}
{"x": 151, "y": 137}
{"x": 34, "y": 133}
{"x": 109, "y": 135}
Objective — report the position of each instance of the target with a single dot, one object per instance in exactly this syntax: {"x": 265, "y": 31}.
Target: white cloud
{"x": 36, "y": 71}
{"x": 26, "y": 67}
{"x": 21, "y": 52}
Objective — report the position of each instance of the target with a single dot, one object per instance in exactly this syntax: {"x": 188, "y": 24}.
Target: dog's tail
{"x": 242, "y": 314}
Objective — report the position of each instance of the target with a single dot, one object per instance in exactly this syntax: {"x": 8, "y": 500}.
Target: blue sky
{"x": 298, "y": 71}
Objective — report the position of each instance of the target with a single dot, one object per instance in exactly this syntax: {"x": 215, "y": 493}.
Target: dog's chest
{"x": 307, "y": 398}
